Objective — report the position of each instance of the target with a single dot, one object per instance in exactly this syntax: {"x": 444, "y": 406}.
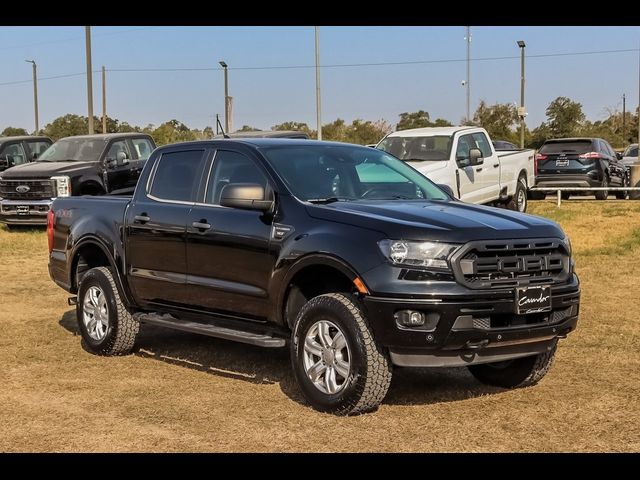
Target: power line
{"x": 337, "y": 65}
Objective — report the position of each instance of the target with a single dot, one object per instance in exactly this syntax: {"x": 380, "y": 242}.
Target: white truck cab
{"x": 464, "y": 159}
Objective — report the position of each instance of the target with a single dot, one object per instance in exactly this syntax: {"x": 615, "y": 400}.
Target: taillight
{"x": 584, "y": 156}
{"x": 537, "y": 158}
{"x": 50, "y": 224}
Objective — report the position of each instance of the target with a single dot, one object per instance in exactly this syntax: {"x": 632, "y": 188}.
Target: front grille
{"x": 508, "y": 320}
{"x": 512, "y": 263}
{"x": 39, "y": 189}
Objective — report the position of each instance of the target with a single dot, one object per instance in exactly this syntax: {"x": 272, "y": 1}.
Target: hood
{"x": 433, "y": 170}
{"x": 48, "y": 169}
{"x": 448, "y": 221}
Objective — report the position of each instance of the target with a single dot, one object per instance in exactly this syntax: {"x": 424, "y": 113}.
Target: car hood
{"x": 450, "y": 221}
{"x": 48, "y": 169}
{"x": 435, "y": 170}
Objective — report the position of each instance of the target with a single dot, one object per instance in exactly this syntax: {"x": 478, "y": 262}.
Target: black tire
{"x": 565, "y": 195}
{"x": 537, "y": 195}
{"x": 603, "y": 194}
{"x": 369, "y": 375}
{"x": 121, "y": 330}
{"x": 521, "y": 372}
{"x": 624, "y": 195}
{"x": 519, "y": 202}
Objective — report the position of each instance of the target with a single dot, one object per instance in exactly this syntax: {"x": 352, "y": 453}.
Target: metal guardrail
{"x": 559, "y": 190}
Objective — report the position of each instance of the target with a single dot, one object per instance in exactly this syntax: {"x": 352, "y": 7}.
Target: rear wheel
{"x": 521, "y": 372}
{"x": 624, "y": 194}
{"x": 336, "y": 360}
{"x": 603, "y": 194}
{"x": 519, "y": 200}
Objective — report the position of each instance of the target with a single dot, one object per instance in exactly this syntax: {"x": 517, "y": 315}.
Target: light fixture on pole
{"x": 227, "y": 99}
{"x": 521, "y": 111}
{"x": 35, "y": 93}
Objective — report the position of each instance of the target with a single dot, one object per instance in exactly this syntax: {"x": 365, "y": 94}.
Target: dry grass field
{"x": 182, "y": 392}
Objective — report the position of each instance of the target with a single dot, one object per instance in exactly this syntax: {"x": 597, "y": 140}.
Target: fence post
{"x": 559, "y": 197}
{"x": 635, "y": 181}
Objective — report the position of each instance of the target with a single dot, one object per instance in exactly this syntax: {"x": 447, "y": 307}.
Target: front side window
{"x": 482, "y": 143}
{"x": 176, "y": 176}
{"x": 328, "y": 172}
{"x": 143, "y": 147}
{"x": 465, "y": 143}
{"x": 231, "y": 167}
{"x": 14, "y": 154}
{"x": 116, "y": 148}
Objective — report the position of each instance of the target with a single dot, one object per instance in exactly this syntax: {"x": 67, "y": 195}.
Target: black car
{"x": 80, "y": 165}
{"x": 502, "y": 145}
{"x": 343, "y": 253}
{"x": 21, "y": 149}
{"x": 581, "y": 162}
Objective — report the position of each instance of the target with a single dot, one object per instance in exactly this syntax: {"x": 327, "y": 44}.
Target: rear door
{"x": 617, "y": 170}
{"x": 228, "y": 260}
{"x": 156, "y": 228}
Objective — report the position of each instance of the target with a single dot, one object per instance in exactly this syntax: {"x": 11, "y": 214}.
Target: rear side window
{"x": 177, "y": 176}
{"x": 573, "y": 146}
{"x": 37, "y": 148}
{"x": 143, "y": 147}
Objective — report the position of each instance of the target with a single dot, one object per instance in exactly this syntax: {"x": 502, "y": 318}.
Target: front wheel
{"x": 520, "y": 372}
{"x": 106, "y": 326}
{"x": 624, "y": 194}
{"x": 338, "y": 364}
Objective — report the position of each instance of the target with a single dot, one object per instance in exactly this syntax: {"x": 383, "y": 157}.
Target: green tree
{"x": 335, "y": 130}
{"x": 66, "y": 126}
{"x": 248, "y": 128}
{"x": 296, "y": 126}
{"x": 499, "y": 120}
{"x": 564, "y": 117}
{"x": 13, "y": 132}
{"x": 124, "y": 127}
{"x": 414, "y": 120}
{"x": 171, "y": 132}
{"x": 441, "y": 122}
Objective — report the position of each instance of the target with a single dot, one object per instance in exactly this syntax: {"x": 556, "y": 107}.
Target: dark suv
{"x": 581, "y": 162}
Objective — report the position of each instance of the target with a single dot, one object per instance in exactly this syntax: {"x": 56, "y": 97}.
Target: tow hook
{"x": 72, "y": 301}
{"x": 477, "y": 345}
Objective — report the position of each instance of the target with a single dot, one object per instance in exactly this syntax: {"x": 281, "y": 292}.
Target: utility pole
{"x": 87, "y": 32}
{"x": 468, "y": 83}
{"x": 624, "y": 120}
{"x": 227, "y": 99}
{"x": 318, "y": 102}
{"x": 521, "y": 111}
{"x": 35, "y": 93}
{"x": 104, "y": 100}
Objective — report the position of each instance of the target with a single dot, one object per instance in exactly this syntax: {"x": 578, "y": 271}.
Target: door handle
{"x": 479, "y": 169}
{"x": 496, "y": 165}
{"x": 202, "y": 225}
{"x": 141, "y": 218}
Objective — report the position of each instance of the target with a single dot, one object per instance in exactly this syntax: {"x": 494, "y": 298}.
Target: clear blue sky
{"x": 264, "y": 97}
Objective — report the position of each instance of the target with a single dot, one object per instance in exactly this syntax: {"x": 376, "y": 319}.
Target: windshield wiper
{"x": 326, "y": 200}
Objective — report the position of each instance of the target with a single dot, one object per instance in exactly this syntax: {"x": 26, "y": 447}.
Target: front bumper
{"x": 472, "y": 327}
{"x": 13, "y": 212}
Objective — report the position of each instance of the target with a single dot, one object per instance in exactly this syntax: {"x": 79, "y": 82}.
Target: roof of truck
{"x": 108, "y": 136}
{"x": 430, "y": 131}
{"x": 23, "y": 137}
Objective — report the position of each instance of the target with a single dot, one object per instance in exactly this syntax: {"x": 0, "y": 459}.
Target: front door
{"x": 467, "y": 176}
{"x": 156, "y": 229}
{"x": 118, "y": 163}
{"x": 228, "y": 258}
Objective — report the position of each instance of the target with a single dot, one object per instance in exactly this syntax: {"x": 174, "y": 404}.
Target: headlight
{"x": 417, "y": 254}
{"x": 62, "y": 186}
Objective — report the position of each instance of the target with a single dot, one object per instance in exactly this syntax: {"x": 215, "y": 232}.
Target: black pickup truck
{"x": 346, "y": 254}
{"x": 21, "y": 149}
{"x": 80, "y": 165}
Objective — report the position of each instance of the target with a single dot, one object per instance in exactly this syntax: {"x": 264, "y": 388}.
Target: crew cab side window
{"x": 232, "y": 167}
{"x": 143, "y": 148}
{"x": 482, "y": 143}
{"x": 176, "y": 176}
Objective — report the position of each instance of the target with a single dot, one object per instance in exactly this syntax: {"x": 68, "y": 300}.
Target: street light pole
{"x": 104, "y": 100}
{"x": 521, "y": 111}
{"x": 87, "y": 33}
{"x": 35, "y": 93}
{"x": 468, "y": 82}
{"x": 227, "y": 102}
{"x": 318, "y": 102}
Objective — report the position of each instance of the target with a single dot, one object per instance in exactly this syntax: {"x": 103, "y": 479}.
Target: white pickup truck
{"x": 464, "y": 159}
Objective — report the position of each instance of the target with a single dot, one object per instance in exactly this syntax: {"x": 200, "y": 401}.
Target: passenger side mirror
{"x": 619, "y": 155}
{"x": 247, "y": 196}
{"x": 120, "y": 160}
{"x": 475, "y": 157}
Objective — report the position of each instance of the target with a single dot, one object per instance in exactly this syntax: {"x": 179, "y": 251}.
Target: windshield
{"x": 324, "y": 173}
{"x": 74, "y": 149}
{"x": 631, "y": 151}
{"x": 436, "y": 148}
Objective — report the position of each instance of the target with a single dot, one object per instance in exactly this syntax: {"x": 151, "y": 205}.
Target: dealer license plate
{"x": 533, "y": 299}
{"x": 562, "y": 162}
{"x": 22, "y": 209}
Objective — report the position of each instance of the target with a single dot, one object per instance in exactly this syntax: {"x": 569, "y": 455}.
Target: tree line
{"x": 564, "y": 118}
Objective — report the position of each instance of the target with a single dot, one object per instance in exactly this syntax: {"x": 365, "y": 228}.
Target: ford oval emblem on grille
{"x": 23, "y": 188}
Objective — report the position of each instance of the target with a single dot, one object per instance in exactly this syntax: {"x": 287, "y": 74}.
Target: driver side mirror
{"x": 247, "y": 196}
{"x": 475, "y": 157}
{"x": 120, "y": 160}
{"x": 619, "y": 155}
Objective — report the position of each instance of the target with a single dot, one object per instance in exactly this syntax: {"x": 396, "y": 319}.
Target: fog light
{"x": 409, "y": 318}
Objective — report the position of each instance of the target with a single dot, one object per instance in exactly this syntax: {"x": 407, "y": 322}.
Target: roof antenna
{"x": 224, "y": 135}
